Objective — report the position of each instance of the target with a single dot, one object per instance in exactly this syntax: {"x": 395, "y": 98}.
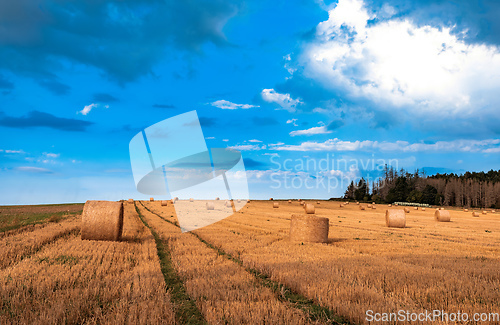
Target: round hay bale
{"x": 485, "y": 212}
{"x": 374, "y": 207}
{"x": 389, "y": 205}
{"x": 248, "y": 201}
{"x": 309, "y": 209}
{"x": 191, "y": 200}
{"x": 357, "y": 203}
{"x": 369, "y": 206}
{"x": 373, "y": 203}
{"x": 300, "y": 200}
{"x": 276, "y": 205}
{"x": 441, "y": 208}
{"x": 361, "y": 207}
{"x": 318, "y": 202}
{"x": 395, "y": 218}
{"x": 347, "y": 202}
{"x": 406, "y": 210}
{"x": 238, "y": 200}
{"x": 102, "y": 220}
{"x": 210, "y": 206}
{"x": 466, "y": 210}
{"x": 289, "y": 201}
{"x": 396, "y": 204}
{"x": 217, "y": 199}
{"x": 228, "y": 204}
{"x": 151, "y": 199}
{"x": 415, "y": 208}
{"x": 492, "y": 211}
{"x": 423, "y": 209}
{"x": 442, "y": 216}
{"x": 475, "y": 214}
{"x": 309, "y": 229}
{"x": 130, "y": 200}
{"x": 270, "y": 199}
{"x": 341, "y": 205}
{"x": 176, "y": 199}
{"x": 163, "y": 203}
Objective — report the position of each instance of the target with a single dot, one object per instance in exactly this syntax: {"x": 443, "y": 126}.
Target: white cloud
{"x": 14, "y": 151}
{"x": 398, "y": 64}
{"x": 86, "y": 110}
{"x": 285, "y": 101}
{"x": 312, "y": 131}
{"x": 225, "y": 140}
{"x": 224, "y": 104}
{"x": 255, "y": 141}
{"x": 292, "y": 121}
{"x": 485, "y": 146}
{"x": 34, "y": 169}
{"x": 248, "y": 147}
{"x": 51, "y": 155}
{"x": 210, "y": 138}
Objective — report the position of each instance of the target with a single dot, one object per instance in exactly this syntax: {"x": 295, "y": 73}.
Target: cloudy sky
{"x": 354, "y": 84}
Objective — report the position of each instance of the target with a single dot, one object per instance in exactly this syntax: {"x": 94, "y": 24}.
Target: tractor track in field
{"x": 283, "y": 293}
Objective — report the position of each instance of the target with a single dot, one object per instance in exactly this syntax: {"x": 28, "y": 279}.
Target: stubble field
{"x": 244, "y": 269}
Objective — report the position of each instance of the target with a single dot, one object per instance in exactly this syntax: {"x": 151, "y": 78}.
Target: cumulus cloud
{"x": 312, "y": 131}
{"x": 285, "y": 101}
{"x": 248, "y": 147}
{"x": 484, "y": 146}
{"x": 255, "y": 141}
{"x": 292, "y": 121}
{"x": 400, "y": 65}
{"x": 224, "y": 104}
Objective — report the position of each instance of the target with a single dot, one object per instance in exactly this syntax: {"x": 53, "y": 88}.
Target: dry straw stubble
{"x": 102, "y": 220}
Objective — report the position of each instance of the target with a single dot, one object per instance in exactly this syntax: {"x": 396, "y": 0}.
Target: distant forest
{"x": 474, "y": 190}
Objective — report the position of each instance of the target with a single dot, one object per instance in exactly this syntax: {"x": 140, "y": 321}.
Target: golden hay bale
{"x": 318, "y": 203}
{"x": 407, "y": 210}
{"x": 163, "y": 203}
{"x": 238, "y": 200}
{"x": 191, "y": 200}
{"x": 395, "y": 218}
{"x": 302, "y": 203}
{"x": 210, "y": 206}
{"x": 300, "y": 200}
{"x": 441, "y": 208}
{"x": 389, "y": 205}
{"x": 357, "y": 203}
{"x": 309, "y": 229}
{"x": 130, "y": 200}
{"x": 309, "y": 209}
{"x": 369, "y": 206}
{"x": 374, "y": 207}
{"x": 361, "y": 207}
{"x": 228, "y": 204}
{"x": 475, "y": 214}
{"x": 217, "y": 199}
{"x": 152, "y": 199}
{"x": 485, "y": 212}
{"x": 270, "y": 199}
{"x": 248, "y": 201}
{"x": 492, "y": 211}
{"x": 423, "y": 209}
{"x": 442, "y": 216}
{"x": 102, "y": 220}
{"x": 341, "y": 205}
{"x": 466, "y": 210}
{"x": 373, "y": 203}
{"x": 289, "y": 201}
{"x": 276, "y": 205}
{"x": 176, "y": 199}
{"x": 347, "y": 202}
{"x": 415, "y": 208}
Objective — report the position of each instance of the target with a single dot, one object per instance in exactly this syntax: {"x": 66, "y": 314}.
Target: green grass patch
{"x": 186, "y": 311}
{"x": 16, "y": 221}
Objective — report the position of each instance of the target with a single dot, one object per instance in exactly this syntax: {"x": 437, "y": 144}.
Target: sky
{"x": 314, "y": 94}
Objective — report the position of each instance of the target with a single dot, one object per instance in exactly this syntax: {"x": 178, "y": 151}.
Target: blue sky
{"x": 355, "y": 83}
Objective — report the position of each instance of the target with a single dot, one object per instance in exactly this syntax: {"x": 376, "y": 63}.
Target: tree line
{"x": 474, "y": 190}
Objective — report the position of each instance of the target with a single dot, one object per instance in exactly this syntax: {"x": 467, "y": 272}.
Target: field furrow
{"x": 223, "y": 290}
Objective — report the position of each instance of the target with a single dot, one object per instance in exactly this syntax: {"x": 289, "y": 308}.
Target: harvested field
{"x": 245, "y": 270}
